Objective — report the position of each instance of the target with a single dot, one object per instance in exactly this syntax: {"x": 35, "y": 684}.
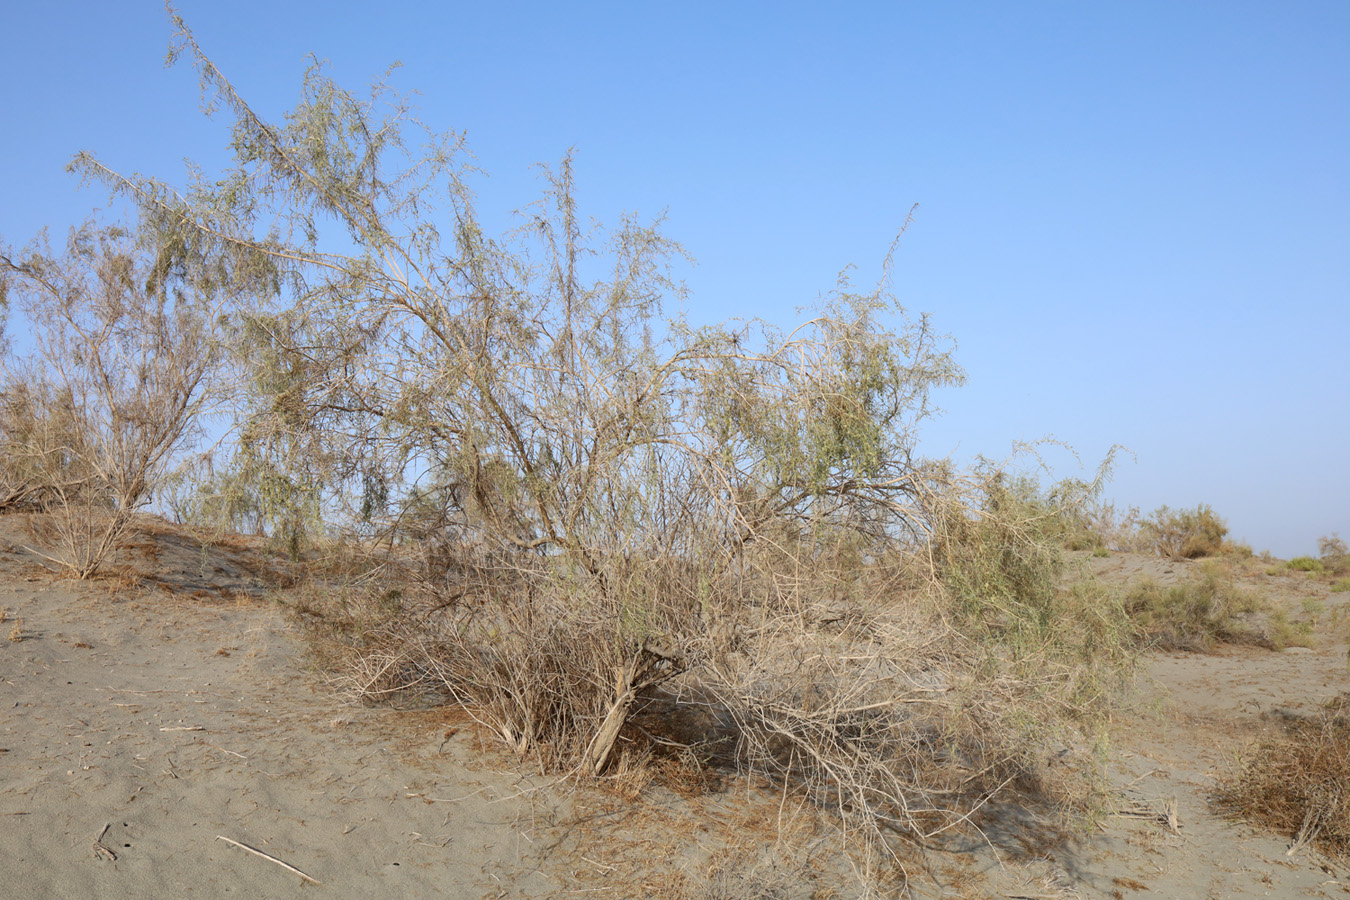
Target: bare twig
{"x": 256, "y": 852}
{"x": 102, "y": 850}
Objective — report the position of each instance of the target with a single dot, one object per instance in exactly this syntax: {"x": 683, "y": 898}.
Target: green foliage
{"x": 529, "y": 384}
{"x": 1305, "y": 564}
{"x": 1281, "y": 632}
{"x": 995, "y": 564}
{"x": 1341, "y": 585}
{"x": 1185, "y": 533}
{"x": 1001, "y": 569}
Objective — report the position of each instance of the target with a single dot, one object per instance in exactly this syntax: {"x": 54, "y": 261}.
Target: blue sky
{"x": 1132, "y": 216}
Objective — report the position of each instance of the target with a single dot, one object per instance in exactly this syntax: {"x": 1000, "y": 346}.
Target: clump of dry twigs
{"x": 860, "y": 686}
{"x": 1298, "y": 782}
{"x": 1196, "y": 614}
{"x": 93, "y": 415}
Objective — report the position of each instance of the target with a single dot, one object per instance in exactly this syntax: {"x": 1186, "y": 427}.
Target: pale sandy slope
{"x": 174, "y": 721}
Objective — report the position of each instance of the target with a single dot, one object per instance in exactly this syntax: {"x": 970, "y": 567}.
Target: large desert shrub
{"x": 95, "y": 406}
{"x": 565, "y": 499}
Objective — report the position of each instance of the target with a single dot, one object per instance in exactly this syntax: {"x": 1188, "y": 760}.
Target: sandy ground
{"x": 145, "y": 717}
{"x": 153, "y": 722}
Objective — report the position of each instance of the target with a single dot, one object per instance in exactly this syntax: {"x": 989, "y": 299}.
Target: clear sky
{"x": 1134, "y": 218}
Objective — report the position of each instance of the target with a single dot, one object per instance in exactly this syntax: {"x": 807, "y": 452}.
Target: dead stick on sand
{"x": 231, "y": 752}
{"x": 185, "y": 728}
{"x": 257, "y": 852}
{"x": 102, "y": 850}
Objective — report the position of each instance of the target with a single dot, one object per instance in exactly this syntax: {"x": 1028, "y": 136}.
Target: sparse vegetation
{"x": 1195, "y": 615}
{"x": 1173, "y": 533}
{"x": 1298, "y": 783}
{"x": 1111, "y": 529}
{"x": 1281, "y": 632}
{"x": 631, "y": 548}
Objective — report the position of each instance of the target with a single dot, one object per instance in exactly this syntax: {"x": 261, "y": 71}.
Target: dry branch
{"x": 267, "y": 856}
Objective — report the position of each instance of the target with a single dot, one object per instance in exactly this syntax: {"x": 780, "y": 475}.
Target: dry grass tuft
{"x": 1298, "y": 783}
{"x": 1196, "y": 615}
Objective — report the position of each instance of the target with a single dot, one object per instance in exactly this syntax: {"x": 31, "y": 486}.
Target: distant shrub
{"x": 1236, "y": 549}
{"x": 1298, "y": 783}
{"x": 1306, "y": 564}
{"x": 1341, "y": 586}
{"x": 1115, "y": 530}
{"x": 1331, "y": 547}
{"x": 1195, "y": 615}
{"x": 1185, "y": 533}
{"x": 1334, "y": 554}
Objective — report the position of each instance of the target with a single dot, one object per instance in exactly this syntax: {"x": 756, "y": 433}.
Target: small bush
{"x": 95, "y": 415}
{"x": 1298, "y": 783}
{"x": 1334, "y": 554}
{"x": 1305, "y": 564}
{"x": 1282, "y": 633}
{"x": 1314, "y": 607}
{"x": 1186, "y": 533}
{"x": 1341, "y": 586}
{"x": 1195, "y": 615}
{"x": 1331, "y": 547}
